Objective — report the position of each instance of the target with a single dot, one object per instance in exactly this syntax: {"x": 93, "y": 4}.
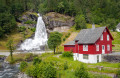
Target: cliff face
{"x": 53, "y": 21}
{"x": 28, "y": 19}
{"x": 58, "y": 22}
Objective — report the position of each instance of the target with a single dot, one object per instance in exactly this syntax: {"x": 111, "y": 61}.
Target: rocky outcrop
{"x": 58, "y": 22}
{"x": 28, "y": 19}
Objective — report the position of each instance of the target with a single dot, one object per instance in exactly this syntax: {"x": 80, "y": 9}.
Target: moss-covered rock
{"x": 58, "y": 22}
{"x": 28, "y": 19}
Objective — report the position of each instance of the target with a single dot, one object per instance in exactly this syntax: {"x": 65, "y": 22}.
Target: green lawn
{"x": 59, "y": 61}
{"x": 116, "y": 41}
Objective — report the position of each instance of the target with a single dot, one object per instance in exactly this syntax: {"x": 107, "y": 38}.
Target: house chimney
{"x": 93, "y": 26}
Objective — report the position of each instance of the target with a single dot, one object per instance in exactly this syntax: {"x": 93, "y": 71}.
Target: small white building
{"x": 118, "y": 28}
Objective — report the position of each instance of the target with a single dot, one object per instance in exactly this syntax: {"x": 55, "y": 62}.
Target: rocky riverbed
{"x": 7, "y": 70}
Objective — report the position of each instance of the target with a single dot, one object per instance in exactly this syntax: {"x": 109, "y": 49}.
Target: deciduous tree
{"x": 54, "y": 40}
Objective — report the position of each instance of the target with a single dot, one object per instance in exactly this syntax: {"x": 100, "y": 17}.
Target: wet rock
{"x": 22, "y": 75}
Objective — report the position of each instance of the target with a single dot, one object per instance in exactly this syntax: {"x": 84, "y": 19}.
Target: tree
{"x": 111, "y": 23}
{"x": 81, "y": 72}
{"x": 11, "y": 47}
{"x": 54, "y": 40}
{"x": 80, "y": 22}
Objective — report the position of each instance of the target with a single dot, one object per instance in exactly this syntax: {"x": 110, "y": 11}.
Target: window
{"x": 108, "y": 47}
{"x": 107, "y": 37}
{"x": 85, "y": 56}
{"x": 85, "y": 47}
{"x": 102, "y": 37}
{"x": 97, "y": 47}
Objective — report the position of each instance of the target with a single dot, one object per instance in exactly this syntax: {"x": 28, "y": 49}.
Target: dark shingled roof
{"x": 118, "y": 26}
{"x": 89, "y": 36}
{"x": 70, "y": 43}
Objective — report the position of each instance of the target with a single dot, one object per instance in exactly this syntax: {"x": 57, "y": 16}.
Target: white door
{"x": 103, "y": 49}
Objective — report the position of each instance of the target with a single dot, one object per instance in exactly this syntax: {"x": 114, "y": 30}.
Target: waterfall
{"x": 40, "y": 38}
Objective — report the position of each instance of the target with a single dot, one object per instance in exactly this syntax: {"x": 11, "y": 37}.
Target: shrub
{"x": 29, "y": 57}
{"x": 49, "y": 71}
{"x": 65, "y": 66}
{"x": 12, "y": 61}
{"x": 30, "y": 71}
{"x": 33, "y": 29}
{"x": 36, "y": 60}
{"x": 30, "y": 22}
{"x": 81, "y": 72}
{"x": 64, "y": 39}
{"x": 22, "y": 28}
{"x": 80, "y": 22}
{"x": 67, "y": 54}
{"x": 23, "y": 65}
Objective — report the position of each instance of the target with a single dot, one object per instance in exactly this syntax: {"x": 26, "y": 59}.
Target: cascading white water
{"x": 40, "y": 37}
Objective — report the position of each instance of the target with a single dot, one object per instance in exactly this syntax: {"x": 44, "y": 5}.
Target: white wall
{"x": 118, "y": 30}
{"x": 91, "y": 58}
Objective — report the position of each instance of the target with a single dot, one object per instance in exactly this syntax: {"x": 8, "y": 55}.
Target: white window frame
{"x": 108, "y": 38}
{"x": 85, "y": 47}
{"x": 97, "y": 47}
{"x": 108, "y": 47}
{"x": 101, "y": 37}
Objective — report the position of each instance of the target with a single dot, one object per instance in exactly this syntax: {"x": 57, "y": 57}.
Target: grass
{"x": 108, "y": 67}
{"x": 16, "y": 36}
{"x": 21, "y": 57}
{"x": 116, "y": 41}
{"x": 72, "y": 65}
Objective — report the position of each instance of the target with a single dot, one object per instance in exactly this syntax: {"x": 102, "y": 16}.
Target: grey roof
{"x": 89, "y": 36}
{"x": 118, "y": 26}
{"x": 70, "y": 43}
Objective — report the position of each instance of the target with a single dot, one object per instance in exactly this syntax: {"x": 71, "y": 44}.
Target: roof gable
{"x": 89, "y": 36}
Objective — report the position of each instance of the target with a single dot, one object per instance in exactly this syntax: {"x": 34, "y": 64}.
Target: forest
{"x": 101, "y": 12}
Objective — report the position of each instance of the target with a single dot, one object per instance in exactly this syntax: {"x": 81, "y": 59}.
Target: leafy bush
{"x": 49, "y": 71}
{"x": 30, "y": 22}
{"x": 23, "y": 65}
{"x": 42, "y": 70}
{"x": 22, "y": 28}
{"x": 33, "y": 29}
{"x": 80, "y": 22}
{"x": 65, "y": 66}
{"x": 64, "y": 39}
{"x": 29, "y": 57}
{"x": 36, "y": 60}
{"x": 81, "y": 72}
{"x": 12, "y": 61}
{"x": 67, "y": 54}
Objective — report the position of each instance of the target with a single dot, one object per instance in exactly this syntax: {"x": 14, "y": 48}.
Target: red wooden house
{"x": 90, "y": 44}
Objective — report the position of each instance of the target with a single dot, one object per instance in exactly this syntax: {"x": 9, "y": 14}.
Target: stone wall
{"x": 111, "y": 58}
